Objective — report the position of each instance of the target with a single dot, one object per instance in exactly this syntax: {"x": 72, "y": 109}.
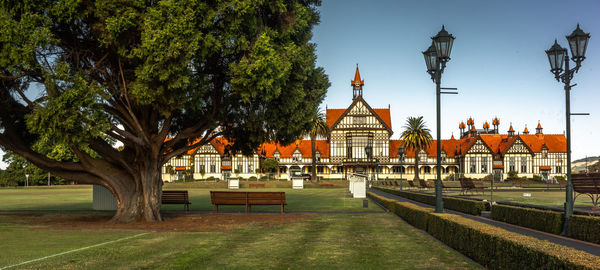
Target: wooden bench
{"x": 588, "y": 184}
{"x": 176, "y": 197}
{"x": 411, "y": 184}
{"x": 247, "y": 198}
{"x": 257, "y": 185}
{"x": 466, "y": 184}
{"x": 423, "y": 184}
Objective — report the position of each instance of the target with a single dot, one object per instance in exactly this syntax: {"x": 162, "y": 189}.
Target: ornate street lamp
{"x": 557, "y": 56}
{"x": 436, "y": 57}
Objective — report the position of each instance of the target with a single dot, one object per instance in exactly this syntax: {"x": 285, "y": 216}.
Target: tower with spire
{"x": 357, "y": 84}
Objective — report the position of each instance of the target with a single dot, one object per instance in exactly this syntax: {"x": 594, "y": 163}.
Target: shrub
{"x": 462, "y": 205}
{"x": 210, "y": 178}
{"x": 512, "y": 175}
{"x": 542, "y": 220}
{"x": 585, "y": 228}
{"x": 492, "y": 247}
{"x": 537, "y": 178}
{"x": 252, "y": 178}
{"x": 488, "y": 177}
{"x": 559, "y": 178}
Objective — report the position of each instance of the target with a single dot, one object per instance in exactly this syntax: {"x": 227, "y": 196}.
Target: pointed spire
{"x": 357, "y": 81}
{"x": 526, "y": 131}
{"x": 511, "y": 130}
{"x": 357, "y": 84}
{"x": 461, "y": 125}
{"x": 486, "y": 125}
{"x": 452, "y": 138}
{"x": 539, "y": 129}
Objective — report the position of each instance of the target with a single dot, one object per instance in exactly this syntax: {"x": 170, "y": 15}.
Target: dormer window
{"x": 297, "y": 156}
{"x": 443, "y": 156}
{"x": 277, "y": 155}
{"x": 318, "y": 156}
{"x": 544, "y": 153}
{"x": 423, "y": 155}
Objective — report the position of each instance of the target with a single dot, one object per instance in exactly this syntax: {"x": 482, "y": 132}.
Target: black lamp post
{"x": 401, "y": 160}
{"x": 557, "y": 56}
{"x": 436, "y": 57}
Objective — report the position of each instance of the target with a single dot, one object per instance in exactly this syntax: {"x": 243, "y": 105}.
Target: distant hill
{"x": 580, "y": 165}
{"x": 589, "y": 159}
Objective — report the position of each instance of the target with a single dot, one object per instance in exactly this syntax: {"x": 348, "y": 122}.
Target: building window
{"x": 250, "y": 167}
{"x": 201, "y": 169}
{"x": 239, "y": 168}
{"x": 511, "y": 164}
{"x": 558, "y": 169}
{"x": 473, "y": 165}
{"x": 320, "y": 169}
{"x": 523, "y": 164}
{"x": 359, "y": 120}
{"x": 545, "y": 153}
{"x": 340, "y": 169}
{"x": 283, "y": 169}
{"x": 484, "y": 165}
{"x": 423, "y": 156}
{"x": 277, "y": 156}
{"x": 213, "y": 168}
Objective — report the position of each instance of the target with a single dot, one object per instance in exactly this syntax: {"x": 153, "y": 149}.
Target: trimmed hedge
{"x": 541, "y": 220}
{"x": 492, "y": 247}
{"x": 586, "y": 228}
{"x": 462, "y": 205}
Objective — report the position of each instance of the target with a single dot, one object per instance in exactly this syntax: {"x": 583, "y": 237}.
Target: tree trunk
{"x": 314, "y": 159}
{"x": 140, "y": 201}
{"x": 416, "y": 164}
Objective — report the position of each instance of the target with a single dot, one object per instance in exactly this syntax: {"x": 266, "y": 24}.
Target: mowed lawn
{"x": 323, "y": 241}
{"x": 80, "y": 198}
{"x": 553, "y": 198}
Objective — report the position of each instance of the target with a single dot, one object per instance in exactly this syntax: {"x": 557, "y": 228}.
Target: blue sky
{"x": 498, "y": 62}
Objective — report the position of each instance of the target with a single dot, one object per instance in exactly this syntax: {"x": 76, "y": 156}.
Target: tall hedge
{"x": 585, "y": 228}
{"x": 492, "y": 247}
{"x": 462, "y": 205}
{"x": 541, "y": 220}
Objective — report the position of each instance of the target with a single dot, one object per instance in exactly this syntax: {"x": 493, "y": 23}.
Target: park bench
{"x": 423, "y": 183}
{"x": 257, "y": 185}
{"x": 588, "y": 184}
{"x": 411, "y": 184}
{"x": 247, "y": 199}
{"x": 466, "y": 184}
{"x": 176, "y": 197}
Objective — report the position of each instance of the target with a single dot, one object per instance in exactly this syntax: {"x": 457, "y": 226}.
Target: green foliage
{"x": 560, "y": 178}
{"x": 416, "y": 136}
{"x": 542, "y": 220}
{"x": 585, "y": 228}
{"x": 537, "y": 178}
{"x": 18, "y": 167}
{"x": 512, "y": 175}
{"x": 252, "y": 178}
{"x": 488, "y": 177}
{"x": 269, "y": 164}
{"x": 472, "y": 207}
{"x": 492, "y": 247}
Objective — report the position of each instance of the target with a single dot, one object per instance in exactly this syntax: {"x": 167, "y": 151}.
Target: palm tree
{"x": 318, "y": 127}
{"x": 416, "y": 136}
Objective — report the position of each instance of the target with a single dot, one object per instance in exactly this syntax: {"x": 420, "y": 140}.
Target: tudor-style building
{"x": 360, "y": 142}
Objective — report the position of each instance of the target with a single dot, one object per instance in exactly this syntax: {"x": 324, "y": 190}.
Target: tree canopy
{"x": 78, "y": 78}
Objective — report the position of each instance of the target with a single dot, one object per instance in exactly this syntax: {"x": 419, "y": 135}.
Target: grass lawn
{"x": 553, "y": 198}
{"x": 321, "y": 241}
{"x": 80, "y": 198}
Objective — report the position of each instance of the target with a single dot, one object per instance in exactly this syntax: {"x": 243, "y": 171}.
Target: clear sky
{"x": 498, "y": 62}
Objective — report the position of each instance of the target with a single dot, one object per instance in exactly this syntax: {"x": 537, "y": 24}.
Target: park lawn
{"x": 344, "y": 241}
{"x": 80, "y": 198}
{"x": 553, "y": 198}
{"x": 47, "y": 198}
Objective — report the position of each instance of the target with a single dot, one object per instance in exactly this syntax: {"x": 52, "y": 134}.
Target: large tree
{"x": 416, "y": 136}
{"x": 82, "y": 77}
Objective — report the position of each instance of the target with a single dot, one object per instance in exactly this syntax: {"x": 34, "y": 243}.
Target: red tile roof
{"x": 332, "y": 115}
{"x": 545, "y": 168}
{"x": 498, "y": 166}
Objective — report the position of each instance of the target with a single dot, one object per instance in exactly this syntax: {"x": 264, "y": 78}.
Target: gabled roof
{"x": 302, "y": 145}
{"x": 335, "y": 115}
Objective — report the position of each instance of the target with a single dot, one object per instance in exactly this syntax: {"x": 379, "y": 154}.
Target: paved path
{"x": 557, "y": 239}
